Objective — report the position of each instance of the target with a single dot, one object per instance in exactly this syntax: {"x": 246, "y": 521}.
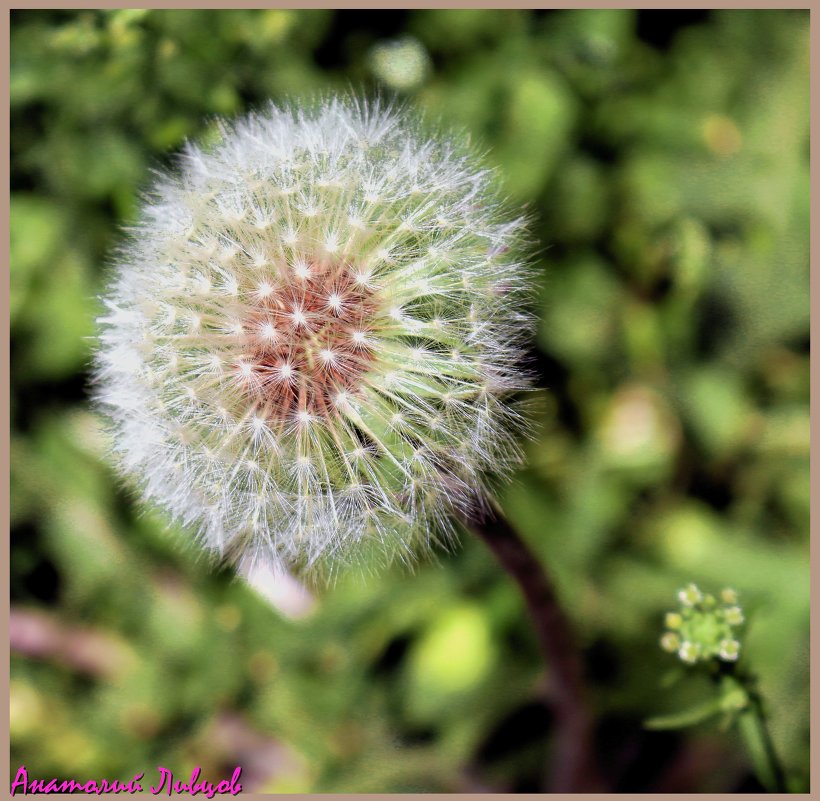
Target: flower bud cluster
{"x": 704, "y": 627}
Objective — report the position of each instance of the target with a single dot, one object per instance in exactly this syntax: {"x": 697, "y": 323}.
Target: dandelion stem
{"x": 572, "y": 767}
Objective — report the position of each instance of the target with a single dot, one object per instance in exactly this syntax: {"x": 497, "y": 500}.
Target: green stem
{"x": 756, "y": 736}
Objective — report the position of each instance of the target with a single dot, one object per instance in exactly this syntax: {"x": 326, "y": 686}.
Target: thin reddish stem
{"x": 572, "y": 768}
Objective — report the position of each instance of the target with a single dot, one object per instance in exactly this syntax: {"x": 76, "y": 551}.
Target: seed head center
{"x": 306, "y": 341}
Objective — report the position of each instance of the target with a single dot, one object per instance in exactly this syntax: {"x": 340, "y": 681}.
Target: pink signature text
{"x": 166, "y": 783}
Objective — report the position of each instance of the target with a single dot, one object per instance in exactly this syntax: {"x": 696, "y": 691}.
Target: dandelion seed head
{"x": 305, "y": 355}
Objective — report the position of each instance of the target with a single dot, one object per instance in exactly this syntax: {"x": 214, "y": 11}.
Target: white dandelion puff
{"x": 313, "y": 338}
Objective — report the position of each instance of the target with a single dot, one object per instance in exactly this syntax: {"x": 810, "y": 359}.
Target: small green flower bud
{"x": 673, "y": 620}
{"x": 728, "y": 596}
{"x": 690, "y": 595}
{"x": 733, "y": 615}
{"x": 670, "y": 642}
{"x": 729, "y": 650}
{"x": 689, "y": 652}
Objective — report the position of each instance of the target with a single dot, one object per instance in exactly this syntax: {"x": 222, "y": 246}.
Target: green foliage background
{"x": 665, "y": 162}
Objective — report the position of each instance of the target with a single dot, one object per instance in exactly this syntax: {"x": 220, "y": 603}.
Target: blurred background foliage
{"x": 664, "y": 158}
